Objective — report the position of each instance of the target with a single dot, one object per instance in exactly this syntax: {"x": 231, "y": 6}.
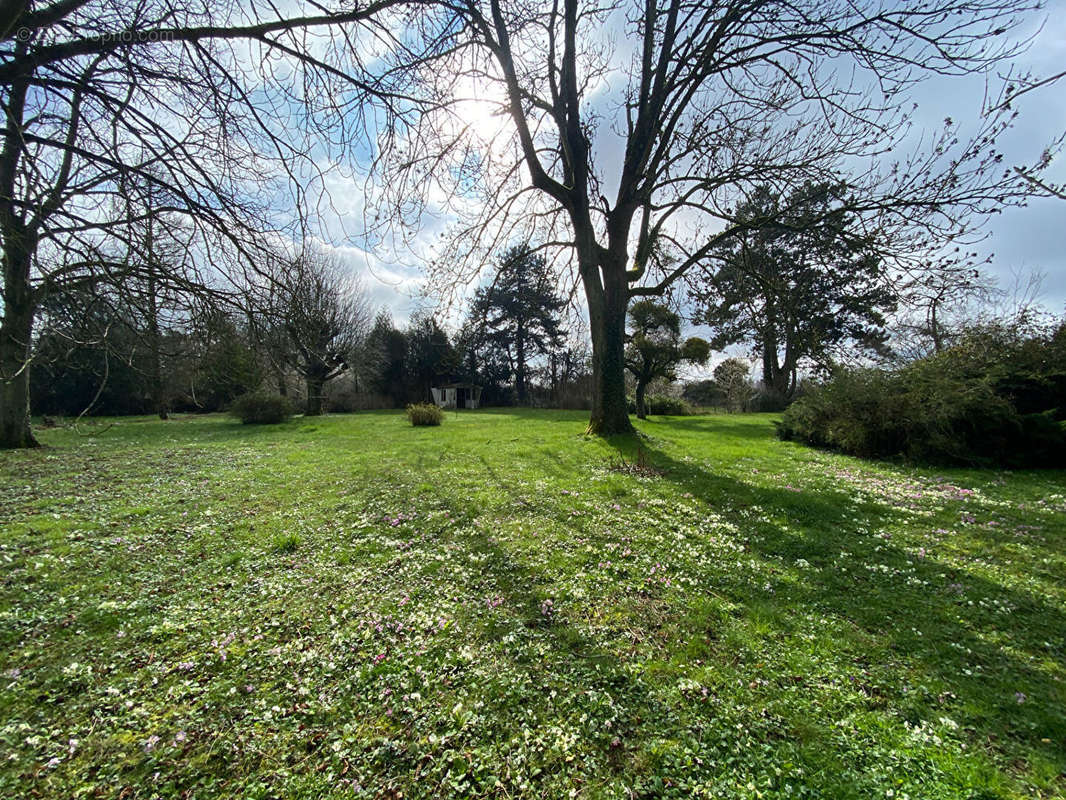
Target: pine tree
{"x": 800, "y": 280}
{"x": 520, "y": 312}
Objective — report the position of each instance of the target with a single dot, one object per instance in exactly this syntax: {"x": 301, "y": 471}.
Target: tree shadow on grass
{"x": 933, "y": 621}
{"x": 886, "y": 613}
{"x": 732, "y": 425}
{"x": 574, "y": 663}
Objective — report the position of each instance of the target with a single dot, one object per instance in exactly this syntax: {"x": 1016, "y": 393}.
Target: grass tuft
{"x": 286, "y": 543}
{"x": 425, "y": 414}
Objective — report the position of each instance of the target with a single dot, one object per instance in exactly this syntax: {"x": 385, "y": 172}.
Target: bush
{"x": 991, "y": 400}
{"x": 259, "y": 408}
{"x": 424, "y": 414}
{"x": 672, "y": 406}
{"x": 767, "y": 398}
{"x": 662, "y": 405}
{"x": 703, "y": 393}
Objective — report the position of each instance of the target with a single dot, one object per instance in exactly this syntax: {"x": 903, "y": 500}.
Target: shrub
{"x": 766, "y": 398}
{"x": 259, "y": 408}
{"x": 703, "y": 393}
{"x": 673, "y": 406}
{"x": 424, "y": 414}
{"x": 992, "y": 399}
{"x": 661, "y": 405}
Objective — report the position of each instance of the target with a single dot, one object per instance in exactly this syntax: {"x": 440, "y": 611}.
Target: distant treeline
{"x": 99, "y": 357}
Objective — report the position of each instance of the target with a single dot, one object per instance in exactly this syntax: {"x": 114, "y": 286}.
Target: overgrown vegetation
{"x": 494, "y": 611}
{"x": 997, "y": 397}
{"x": 260, "y": 408}
{"x": 662, "y": 405}
{"x": 424, "y": 414}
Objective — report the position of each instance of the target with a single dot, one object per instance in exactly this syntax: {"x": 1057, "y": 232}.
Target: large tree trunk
{"x": 780, "y": 381}
{"x": 159, "y": 397}
{"x": 642, "y": 409}
{"x": 520, "y": 367}
{"x": 315, "y": 389}
{"x": 607, "y": 319}
{"x": 16, "y": 329}
{"x": 775, "y": 377}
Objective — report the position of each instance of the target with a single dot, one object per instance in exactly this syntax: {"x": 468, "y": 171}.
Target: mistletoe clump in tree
{"x": 521, "y": 312}
{"x": 654, "y": 348}
{"x": 796, "y": 281}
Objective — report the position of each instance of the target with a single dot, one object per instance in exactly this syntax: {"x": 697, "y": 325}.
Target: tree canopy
{"x": 616, "y": 134}
{"x": 519, "y": 312}
{"x": 654, "y": 348}
{"x": 616, "y": 155}
{"x": 797, "y": 281}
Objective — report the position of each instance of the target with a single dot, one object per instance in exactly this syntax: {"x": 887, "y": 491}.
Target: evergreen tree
{"x": 798, "y": 281}
{"x": 430, "y": 357}
{"x": 520, "y": 312}
{"x": 227, "y": 365}
{"x": 386, "y": 351}
{"x": 483, "y": 364}
{"x": 87, "y": 357}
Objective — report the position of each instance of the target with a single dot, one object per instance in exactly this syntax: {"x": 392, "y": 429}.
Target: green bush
{"x": 260, "y": 408}
{"x": 424, "y": 414}
{"x": 673, "y": 406}
{"x": 662, "y": 405}
{"x": 703, "y": 393}
{"x": 993, "y": 399}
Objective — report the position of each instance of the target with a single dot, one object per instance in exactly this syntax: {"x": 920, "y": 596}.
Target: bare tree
{"x": 216, "y": 107}
{"x": 615, "y": 132}
{"x": 935, "y": 304}
{"x": 1033, "y": 173}
{"x": 325, "y": 313}
{"x": 733, "y": 377}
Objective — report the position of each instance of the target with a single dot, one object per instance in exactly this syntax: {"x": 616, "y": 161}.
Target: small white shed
{"x": 457, "y": 395}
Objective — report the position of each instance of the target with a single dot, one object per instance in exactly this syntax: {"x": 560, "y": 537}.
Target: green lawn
{"x": 351, "y": 607}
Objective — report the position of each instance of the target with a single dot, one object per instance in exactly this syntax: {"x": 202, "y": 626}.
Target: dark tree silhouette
{"x": 430, "y": 357}
{"x": 797, "y": 281}
{"x": 654, "y": 348}
{"x": 386, "y": 351}
{"x": 520, "y": 312}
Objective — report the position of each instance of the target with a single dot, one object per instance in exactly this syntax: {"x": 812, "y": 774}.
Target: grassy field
{"x": 351, "y": 607}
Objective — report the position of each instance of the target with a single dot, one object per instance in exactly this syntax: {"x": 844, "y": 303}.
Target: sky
{"x": 1018, "y": 240}
{"x": 1033, "y": 238}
